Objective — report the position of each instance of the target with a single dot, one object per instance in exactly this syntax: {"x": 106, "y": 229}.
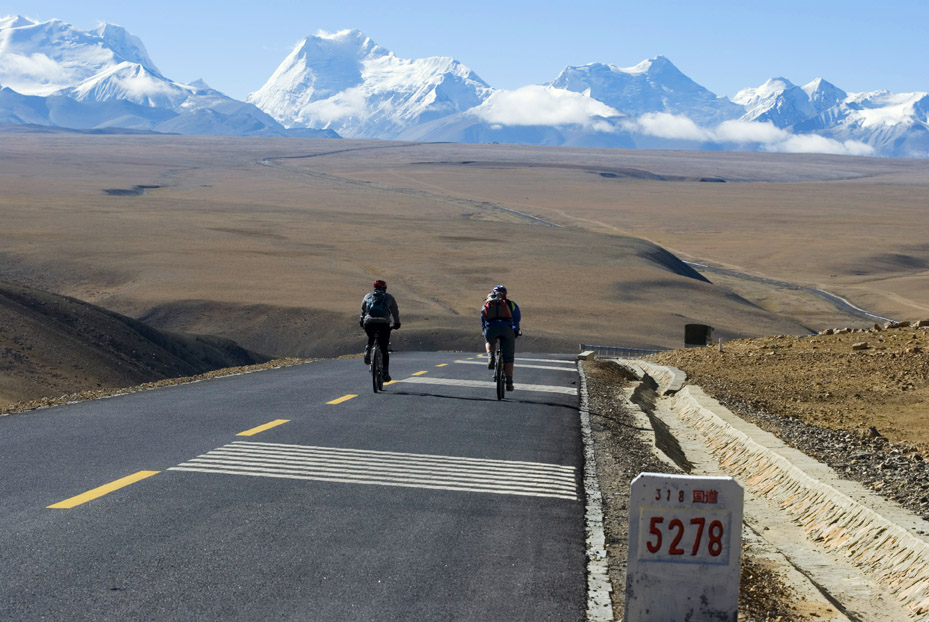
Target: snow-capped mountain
{"x": 55, "y": 74}
{"x": 784, "y": 104}
{"x": 654, "y": 85}
{"x": 894, "y": 124}
{"x": 40, "y": 58}
{"x": 346, "y": 82}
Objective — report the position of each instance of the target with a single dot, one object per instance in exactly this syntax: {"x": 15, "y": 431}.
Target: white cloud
{"x": 545, "y": 105}
{"x": 766, "y": 135}
{"x": 347, "y": 104}
{"x": 32, "y": 74}
{"x": 750, "y": 132}
{"x": 811, "y": 143}
{"x": 664, "y": 125}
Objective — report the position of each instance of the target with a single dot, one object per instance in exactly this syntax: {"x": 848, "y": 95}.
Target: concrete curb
{"x": 599, "y": 601}
{"x": 889, "y": 554}
{"x": 670, "y": 380}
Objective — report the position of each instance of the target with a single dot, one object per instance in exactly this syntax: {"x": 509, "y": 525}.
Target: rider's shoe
{"x": 492, "y": 362}
{"x": 367, "y": 356}
{"x": 509, "y": 384}
{"x": 387, "y": 377}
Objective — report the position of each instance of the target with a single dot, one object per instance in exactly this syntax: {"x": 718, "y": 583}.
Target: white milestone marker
{"x": 685, "y": 535}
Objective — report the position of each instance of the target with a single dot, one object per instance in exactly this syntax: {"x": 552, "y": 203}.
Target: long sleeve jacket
{"x": 391, "y": 306}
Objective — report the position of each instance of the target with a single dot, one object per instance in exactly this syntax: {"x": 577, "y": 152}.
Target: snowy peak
{"x": 131, "y": 82}
{"x": 780, "y": 93}
{"x": 824, "y": 95}
{"x": 14, "y": 21}
{"x": 125, "y": 46}
{"x": 345, "y": 81}
{"x": 345, "y": 44}
{"x": 778, "y": 101}
{"x": 60, "y": 75}
{"x": 39, "y": 58}
{"x": 326, "y": 64}
{"x": 653, "y": 86}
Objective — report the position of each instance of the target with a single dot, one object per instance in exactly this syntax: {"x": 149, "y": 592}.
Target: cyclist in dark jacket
{"x": 377, "y": 309}
{"x": 505, "y": 328}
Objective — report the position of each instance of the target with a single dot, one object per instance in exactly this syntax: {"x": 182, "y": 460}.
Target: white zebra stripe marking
{"x": 518, "y": 359}
{"x": 355, "y": 466}
{"x": 451, "y": 382}
{"x": 521, "y": 366}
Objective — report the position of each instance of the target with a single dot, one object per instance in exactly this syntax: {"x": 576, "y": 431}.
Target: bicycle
{"x": 499, "y": 375}
{"x": 377, "y": 369}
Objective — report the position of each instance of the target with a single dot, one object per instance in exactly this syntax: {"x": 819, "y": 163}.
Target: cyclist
{"x": 377, "y": 309}
{"x": 500, "y": 318}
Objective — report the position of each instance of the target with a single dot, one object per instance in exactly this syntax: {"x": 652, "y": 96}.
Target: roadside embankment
{"x": 843, "y": 533}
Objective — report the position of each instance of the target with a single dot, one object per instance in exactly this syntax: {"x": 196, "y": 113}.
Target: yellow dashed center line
{"x": 262, "y": 428}
{"x": 420, "y": 373}
{"x": 344, "y": 398}
{"x": 441, "y": 364}
{"x": 90, "y": 495}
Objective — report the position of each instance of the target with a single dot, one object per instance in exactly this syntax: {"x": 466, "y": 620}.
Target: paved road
{"x": 431, "y": 501}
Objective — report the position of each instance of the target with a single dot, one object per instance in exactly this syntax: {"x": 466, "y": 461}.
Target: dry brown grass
{"x": 864, "y": 380}
{"x": 855, "y": 226}
{"x": 278, "y": 257}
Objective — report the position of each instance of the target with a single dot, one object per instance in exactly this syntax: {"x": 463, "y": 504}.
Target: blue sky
{"x": 724, "y": 45}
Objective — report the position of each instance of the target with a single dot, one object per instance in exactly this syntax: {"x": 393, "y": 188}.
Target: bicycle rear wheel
{"x": 377, "y": 370}
{"x": 499, "y": 375}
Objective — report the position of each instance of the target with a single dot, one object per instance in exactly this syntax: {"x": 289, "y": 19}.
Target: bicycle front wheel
{"x": 499, "y": 375}
{"x": 377, "y": 371}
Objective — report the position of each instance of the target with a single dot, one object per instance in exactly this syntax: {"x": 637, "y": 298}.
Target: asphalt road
{"x": 430, "y": 501}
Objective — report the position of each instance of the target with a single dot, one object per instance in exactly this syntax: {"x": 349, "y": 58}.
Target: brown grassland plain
{"x": 273, "y": 242}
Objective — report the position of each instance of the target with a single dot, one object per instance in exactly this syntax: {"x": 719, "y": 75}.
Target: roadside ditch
{"x": 814, "y": 547}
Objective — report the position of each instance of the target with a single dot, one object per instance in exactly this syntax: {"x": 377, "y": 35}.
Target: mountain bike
{"x": 499, "y": 375}
{"x": 377, "y": 369}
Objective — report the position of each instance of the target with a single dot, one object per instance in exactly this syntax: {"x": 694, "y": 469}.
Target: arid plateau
{"x": 271, "y": 243}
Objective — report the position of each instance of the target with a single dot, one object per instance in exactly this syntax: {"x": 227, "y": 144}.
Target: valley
{"x": 271, "y": 243}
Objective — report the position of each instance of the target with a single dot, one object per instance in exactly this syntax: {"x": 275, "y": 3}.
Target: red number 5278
{"x": 684, "y": 537}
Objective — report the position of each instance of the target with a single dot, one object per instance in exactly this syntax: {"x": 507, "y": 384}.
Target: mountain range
{"x": 345, "y": 85}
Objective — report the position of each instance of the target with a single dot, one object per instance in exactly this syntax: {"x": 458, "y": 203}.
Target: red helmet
{"x": 379, "y": 284}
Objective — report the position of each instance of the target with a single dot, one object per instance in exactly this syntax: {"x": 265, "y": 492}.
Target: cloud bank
{"x": 766, "y": 136}
{"x": 546, "y": 105}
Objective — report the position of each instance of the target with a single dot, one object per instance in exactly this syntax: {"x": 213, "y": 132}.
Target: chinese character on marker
{"x": 711, "y": 496}
{"x": 699, "y": 496}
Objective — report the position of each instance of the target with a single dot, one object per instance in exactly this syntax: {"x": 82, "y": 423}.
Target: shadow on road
{"x": 485, "y": 399}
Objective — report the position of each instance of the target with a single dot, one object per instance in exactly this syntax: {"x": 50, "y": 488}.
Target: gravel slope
{"x": 853, "y": 399}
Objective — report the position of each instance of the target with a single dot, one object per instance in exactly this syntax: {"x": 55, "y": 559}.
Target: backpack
{"x": 497, "y": 309}
{"x": 377, "y": 307}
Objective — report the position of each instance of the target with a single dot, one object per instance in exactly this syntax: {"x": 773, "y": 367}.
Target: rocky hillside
{"x": 856, "y": 399}
{"x": 52, "y": 345}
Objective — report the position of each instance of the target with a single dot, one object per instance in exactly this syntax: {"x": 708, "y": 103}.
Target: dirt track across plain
{"x": 278, "y": 257}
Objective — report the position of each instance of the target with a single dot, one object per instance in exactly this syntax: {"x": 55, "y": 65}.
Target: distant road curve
{"x": 470, "y": 203}
{"x": 274, "y": 161}
{"x": 841, "y": 303}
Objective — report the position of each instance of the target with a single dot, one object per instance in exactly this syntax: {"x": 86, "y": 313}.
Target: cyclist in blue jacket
{"x": 500, "y": 318}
